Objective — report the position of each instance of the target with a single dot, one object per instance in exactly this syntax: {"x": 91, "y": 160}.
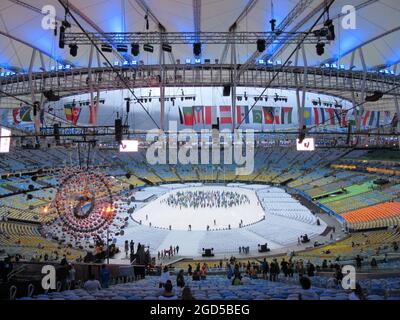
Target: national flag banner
{"x": 186, "y": 116}
{"x": 92, "y": 114}
{"x": 257, "y": 115}
{"x": 395, "y": 120}
{"x": 330, "y": 116}
{"x": 365, "y": 118}
{"x": 76, "y": 112}
{"x": 225, "y": 114}
{"x": 72, "y": 114}
{"x": 242, "y": 114}
{"x": 286, "y": 115}
{"x": 25, "y": 114}
{"x": 210, "y": 114}
{"x": 277, "y": 115}
{"x": 387, "y": 119}
{"x": 308, "y": 119}
{"x": 16, "y": 113}
{"x": 341, "y": 117}
{"x": 268, "y": 115}
{"x": 198, "y": 114}
{"x": 319, "y": 116}
{"x": 374, "y": 119}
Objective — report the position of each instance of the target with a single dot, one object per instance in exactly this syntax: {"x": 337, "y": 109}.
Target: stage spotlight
{"x": 261, "y": 45}
{"x": 73, "y": 50}
{"x": 106, "y": 48}
{"x": 331, "y": 30}
{"x": 135, "y": 49}
{"x": 320, "y": 48}
{"x": 166, "y": 47}
{"x": 197, "y": 48}
{"x": 273, "y": 24}
{"x": 122, "y": 48}
{"x": 61, "y": 42}
{"x": 148, "y": 47}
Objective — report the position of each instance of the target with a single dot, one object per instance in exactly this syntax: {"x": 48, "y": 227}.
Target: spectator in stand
{"x": 274, "y": 270}
{"x": 284, "y": 267}
{"x": 374, "y": 263}
{"x": 310, "y": 269}
{"x": 358, "y": 261}
{"x": 187, "y": 294}
{"x": 229, "y": 271}
{"x": 5, "y": 268}
{"x": 126, "y": 248}
{"x": 357, "y": 293}
{"x": 305, "y": 293}
{"x": 196, "y": 276}
{"x": 168, "y": 294}
{"x": 71, "y": 276}
{"x": 237, "y": 280}
{"x": 190, "y": 268}
{"x": 265, "y": 269}
{"x": 180, "y": 279}
{"x": 165, "y": 276}
{"x": 104, "y": 276}
{"x": 92, "y": 285}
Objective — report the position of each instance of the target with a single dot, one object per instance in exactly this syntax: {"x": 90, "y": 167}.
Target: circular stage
{"x": 266, "y": 215}
{"x": 197, "y": 208}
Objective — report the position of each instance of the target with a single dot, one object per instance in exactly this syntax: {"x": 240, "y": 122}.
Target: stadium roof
{"x": 376, "y": 34}
{"x": 377, "y": 27}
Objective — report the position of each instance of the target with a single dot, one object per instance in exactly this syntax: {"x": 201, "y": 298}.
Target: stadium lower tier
{"x": 343, "y": 193}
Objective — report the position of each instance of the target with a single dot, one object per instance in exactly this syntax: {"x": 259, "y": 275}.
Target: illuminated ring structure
{"x": 84, "y": 202}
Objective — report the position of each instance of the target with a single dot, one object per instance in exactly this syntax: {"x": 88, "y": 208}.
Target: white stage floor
{"x": 162, "y": 215}
{"x": 280, "y": 228}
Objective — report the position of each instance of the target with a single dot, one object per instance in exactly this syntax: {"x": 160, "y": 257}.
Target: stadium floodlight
{"x": 148, "y": 47}
{"x": 5, "y": 140}
{"x": 129, "y": 146}
{"x": 320, "y": 47}
{"x": 73, "y": 50}
{"x": 197, "y": 61}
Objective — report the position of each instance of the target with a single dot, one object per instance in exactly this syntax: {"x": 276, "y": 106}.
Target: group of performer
{"x": 206, "y": 199}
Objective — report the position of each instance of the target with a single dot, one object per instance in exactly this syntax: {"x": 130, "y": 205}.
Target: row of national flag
{"x": 340, "y": 117}
{"x": 209, "y": 115}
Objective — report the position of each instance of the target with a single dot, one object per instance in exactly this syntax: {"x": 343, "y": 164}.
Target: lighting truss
{"x": 159, "y": 38}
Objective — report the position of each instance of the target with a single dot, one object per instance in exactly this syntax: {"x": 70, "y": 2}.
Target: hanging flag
{"x": 340, "y": 115}
{"x": 277, "y": 115}
{"x": 268, "y": 115}
{"x": 92, "y": 114}
{"x": 330, "y": 116}
{"x": 225, "y": 114}
{"x": 308, "y": 120}
{"x": 319, "y": 116}
{"x": 16, "y": 113}
{"x": 286, "y": 115}
{"x": 186, "y": 116}
{"x": 374, "y": 119}
{"x": 210, "y": 115}
{"x": 25, "y": 114}
{"x": 387, "y": 118}
{"x": 257, "y": 115}
{"x": 242, "y": 114}
{"x": 365, "y": 118}
{"x": 198, "y": 114}
{"x": 395, "y": 120}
